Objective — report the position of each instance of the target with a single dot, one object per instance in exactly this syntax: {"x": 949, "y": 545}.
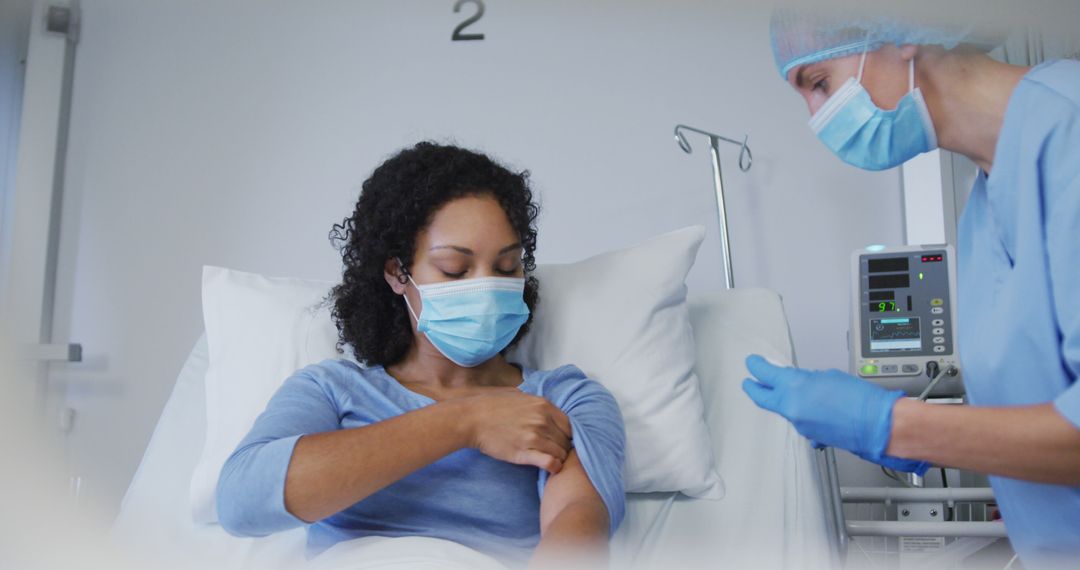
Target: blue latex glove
{"x": 830, "y": 408}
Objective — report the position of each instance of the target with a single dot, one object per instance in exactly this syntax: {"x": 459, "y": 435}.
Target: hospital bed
{"x": 776, "y": 512}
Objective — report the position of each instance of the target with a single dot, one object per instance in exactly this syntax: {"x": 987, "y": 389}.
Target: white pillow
{"x": 621, "y": 317}
{"x": 259, "y": 330}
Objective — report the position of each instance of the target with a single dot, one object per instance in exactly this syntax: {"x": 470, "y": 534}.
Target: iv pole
{"x": 745, "y": 161}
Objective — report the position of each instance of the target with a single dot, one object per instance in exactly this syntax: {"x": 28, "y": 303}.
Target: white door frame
{"x": 26, "y": 306}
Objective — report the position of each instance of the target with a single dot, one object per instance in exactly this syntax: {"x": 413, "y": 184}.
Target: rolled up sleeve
{"x": 600, "y": 441}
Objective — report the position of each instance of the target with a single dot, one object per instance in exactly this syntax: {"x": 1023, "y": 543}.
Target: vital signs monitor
{"x": 903, "y": 327}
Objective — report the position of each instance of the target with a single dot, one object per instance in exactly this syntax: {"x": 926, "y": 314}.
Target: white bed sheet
{"x": 773, "y": 516}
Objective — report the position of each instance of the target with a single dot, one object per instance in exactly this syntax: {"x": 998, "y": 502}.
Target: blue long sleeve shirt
{"x": 467, "y": 497}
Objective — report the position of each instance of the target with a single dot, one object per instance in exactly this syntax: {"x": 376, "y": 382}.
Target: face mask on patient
{"x": 471, "y": 320}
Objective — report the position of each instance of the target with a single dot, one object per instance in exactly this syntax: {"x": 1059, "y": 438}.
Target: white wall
{"x": 235, "y": 133}
{"x": 923, "y": 192}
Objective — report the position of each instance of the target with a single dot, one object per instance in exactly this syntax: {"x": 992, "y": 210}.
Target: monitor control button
{"x": 939, "y": 348}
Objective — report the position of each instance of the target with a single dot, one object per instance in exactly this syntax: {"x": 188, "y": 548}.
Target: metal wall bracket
{"x": 63, "y": 20}
{"x": 53, "y": 352}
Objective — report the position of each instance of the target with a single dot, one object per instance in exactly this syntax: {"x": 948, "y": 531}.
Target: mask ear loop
{"x": 405, "y": 272}
{"x": 862, "y": 61}
{"x": 405, "y": 296}
{"x": 911, "y": 76}
{"x": 409, "y": 307}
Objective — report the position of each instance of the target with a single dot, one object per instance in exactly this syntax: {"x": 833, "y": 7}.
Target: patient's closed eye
{"x": 512, "y": 270}
{"x": 452, "y": 265}
{"x": 508, "y": 268}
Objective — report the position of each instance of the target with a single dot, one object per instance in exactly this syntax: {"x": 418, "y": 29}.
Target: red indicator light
{"x": 931, "y": 258}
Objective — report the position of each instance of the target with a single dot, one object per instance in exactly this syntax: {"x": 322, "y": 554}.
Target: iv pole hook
{"x": 746, "y": 160}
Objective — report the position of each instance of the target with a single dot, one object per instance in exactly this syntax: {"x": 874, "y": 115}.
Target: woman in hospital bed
{"x": 437, "y": 434}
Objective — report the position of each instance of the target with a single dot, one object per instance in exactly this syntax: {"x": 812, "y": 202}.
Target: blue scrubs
{"x": 1019, "y": 293}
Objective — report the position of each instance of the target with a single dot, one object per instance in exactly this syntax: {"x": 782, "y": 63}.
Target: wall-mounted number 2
{"x": 458, "y": 35}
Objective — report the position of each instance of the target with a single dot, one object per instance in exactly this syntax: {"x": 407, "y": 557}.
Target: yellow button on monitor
{"x": 937, "y": 302}
{"x": 869, "y": 370}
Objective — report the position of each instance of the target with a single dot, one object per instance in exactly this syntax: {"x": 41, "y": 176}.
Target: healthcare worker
{"x": 880, "y": 92}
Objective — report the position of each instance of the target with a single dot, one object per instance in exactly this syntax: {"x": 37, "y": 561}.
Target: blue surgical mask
{"x": 864, "y": 135}
{"x": 471, "y": 320}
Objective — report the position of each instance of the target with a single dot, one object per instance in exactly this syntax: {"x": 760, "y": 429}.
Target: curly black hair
{"x": 396, "y": 203}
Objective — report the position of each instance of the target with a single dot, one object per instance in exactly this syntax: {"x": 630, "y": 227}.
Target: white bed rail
{"x": 971, "y": 535}
{"x": 889, "y": 495}
{"x": 920, "y": 528}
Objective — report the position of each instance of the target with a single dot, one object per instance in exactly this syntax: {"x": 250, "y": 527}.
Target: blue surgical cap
{"x": 800, "y": 37}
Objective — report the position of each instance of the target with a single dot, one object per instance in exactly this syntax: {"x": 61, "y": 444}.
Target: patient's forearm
{"x": 331, "y": 471}
{"x": 577, "y": 535}
{"x": 1034, "y": 443}
{"x": 574, "y": 521}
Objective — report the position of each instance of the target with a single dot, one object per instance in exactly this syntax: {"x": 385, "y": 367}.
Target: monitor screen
{"x": 895, "y": 334}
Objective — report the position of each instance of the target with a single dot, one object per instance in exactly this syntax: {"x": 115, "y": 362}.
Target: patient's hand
{"x": 518, "y": 428}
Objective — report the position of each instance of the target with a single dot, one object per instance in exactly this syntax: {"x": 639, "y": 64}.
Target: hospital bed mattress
{"x": 773, "y": 515}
